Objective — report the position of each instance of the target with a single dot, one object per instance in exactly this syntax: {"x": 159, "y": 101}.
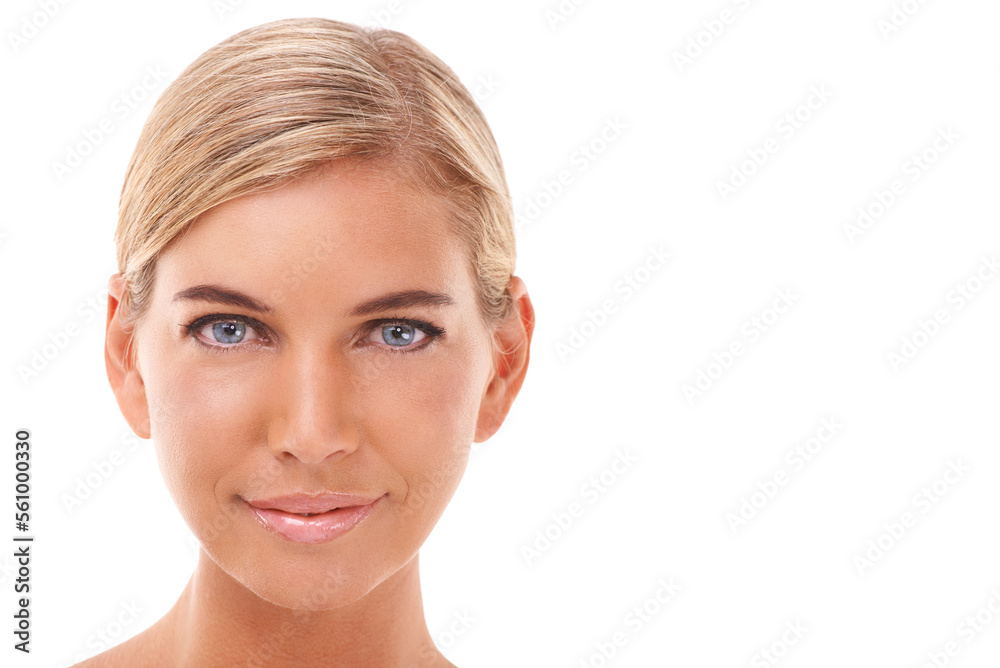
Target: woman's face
{"x": 319, "y": 338}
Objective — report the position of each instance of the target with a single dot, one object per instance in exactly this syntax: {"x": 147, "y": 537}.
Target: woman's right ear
{"x": 122, "y": 366}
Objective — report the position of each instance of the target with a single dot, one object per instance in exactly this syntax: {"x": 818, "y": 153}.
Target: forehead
{"x": 341, "y": 234}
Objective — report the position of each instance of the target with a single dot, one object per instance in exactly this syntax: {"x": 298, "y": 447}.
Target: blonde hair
{"x": 282, "y": 99}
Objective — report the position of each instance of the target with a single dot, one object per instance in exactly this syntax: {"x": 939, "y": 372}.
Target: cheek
{"x": 202, "y": 425}
{"x": 423, "y": 423}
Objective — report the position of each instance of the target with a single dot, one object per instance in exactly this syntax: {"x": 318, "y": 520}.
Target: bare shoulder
{"x": 144, "y": 650}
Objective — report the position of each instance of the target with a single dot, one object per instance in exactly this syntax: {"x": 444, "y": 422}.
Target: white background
{"x": 672, "y": 132}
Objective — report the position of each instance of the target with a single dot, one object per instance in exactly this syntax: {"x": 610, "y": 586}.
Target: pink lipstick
{"x": 304, "y": 518}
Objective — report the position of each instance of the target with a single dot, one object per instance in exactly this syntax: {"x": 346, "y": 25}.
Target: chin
{"x": 312, "y": 577}
{"x": 316, "y": 590}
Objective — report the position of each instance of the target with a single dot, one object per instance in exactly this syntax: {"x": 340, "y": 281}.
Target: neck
{"x": 219, "y": 622}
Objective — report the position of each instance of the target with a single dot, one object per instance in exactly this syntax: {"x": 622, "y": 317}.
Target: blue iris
{"x": 397, "y": 334}
{"x": 229, "y": 331}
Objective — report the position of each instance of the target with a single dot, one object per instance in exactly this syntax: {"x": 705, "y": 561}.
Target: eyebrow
{"x": 219, "y": 295}
{"x": 400, "y": 299}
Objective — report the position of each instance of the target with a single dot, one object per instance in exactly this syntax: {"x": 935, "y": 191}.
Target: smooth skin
{"x": 311, "y": 397}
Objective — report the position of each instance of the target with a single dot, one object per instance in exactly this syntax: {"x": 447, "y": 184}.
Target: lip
{"x": 330, "y": 515}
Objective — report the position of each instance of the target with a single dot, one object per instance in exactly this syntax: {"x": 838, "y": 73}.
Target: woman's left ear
{"x": 513, "y": 343}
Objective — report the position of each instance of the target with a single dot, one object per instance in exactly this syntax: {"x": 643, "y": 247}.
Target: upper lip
{"x": 312, "y": 503}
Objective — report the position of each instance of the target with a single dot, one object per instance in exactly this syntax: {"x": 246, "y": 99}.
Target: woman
{"x": 314, "y": 318}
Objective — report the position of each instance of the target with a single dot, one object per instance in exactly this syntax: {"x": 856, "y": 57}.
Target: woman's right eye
{"x": 223, "y": 333}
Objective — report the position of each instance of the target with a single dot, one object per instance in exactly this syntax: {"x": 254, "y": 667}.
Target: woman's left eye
{"x": 398, "y": 334}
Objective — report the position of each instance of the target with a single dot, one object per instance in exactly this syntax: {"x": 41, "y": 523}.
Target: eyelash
{"x": 431, "y": 332}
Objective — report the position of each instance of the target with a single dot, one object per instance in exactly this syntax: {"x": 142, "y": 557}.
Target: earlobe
{"x": 123, "y": 372}
{"x": 513, "y": 344}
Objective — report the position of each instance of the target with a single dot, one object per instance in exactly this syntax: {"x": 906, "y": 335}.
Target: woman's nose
{"x": 313, "y": 417}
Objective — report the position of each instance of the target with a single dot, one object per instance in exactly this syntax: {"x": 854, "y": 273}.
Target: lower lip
{"x": 320, "y": 528}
